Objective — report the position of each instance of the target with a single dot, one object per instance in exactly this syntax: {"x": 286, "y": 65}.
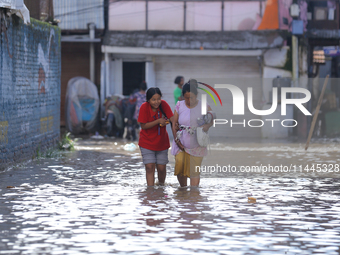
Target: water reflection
{"x": 101, "y": 205}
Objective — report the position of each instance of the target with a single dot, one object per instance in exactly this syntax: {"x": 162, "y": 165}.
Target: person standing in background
{"x": 178, "y": 90}
{"x": 139, "y": 97}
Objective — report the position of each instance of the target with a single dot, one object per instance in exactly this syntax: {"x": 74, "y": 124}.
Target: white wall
{"x": 204, "y": 16}
{"x": 165, "y": 16}
{"x": 241, "y": 15}
{"x": 128, "y": 15}
{"x": 241, "y": 71}
{"x": 169, "y": 15}
{"x": 274, "y": 61}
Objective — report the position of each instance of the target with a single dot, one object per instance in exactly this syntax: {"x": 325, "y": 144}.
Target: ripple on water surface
{"x": 73, "y": 208}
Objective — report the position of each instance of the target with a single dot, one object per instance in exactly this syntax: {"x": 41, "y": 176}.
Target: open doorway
{"x": 133, "y": 75}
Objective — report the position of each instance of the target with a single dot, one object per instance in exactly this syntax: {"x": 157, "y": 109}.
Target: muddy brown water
{"x": 95, "y": 201}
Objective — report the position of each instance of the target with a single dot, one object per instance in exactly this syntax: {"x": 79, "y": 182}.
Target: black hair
{"x": 178, "y": 79}
{"x": 190, "y": 86}
{"x": 152, "y": 91}
{"x": 149, "y": 94}
{"x": 143, "y": 86}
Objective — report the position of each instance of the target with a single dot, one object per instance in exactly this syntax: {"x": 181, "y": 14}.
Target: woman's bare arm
{"x": 174, "y": 121}
{"x": 174, "y": 130}
{"x": 208, "y": 125}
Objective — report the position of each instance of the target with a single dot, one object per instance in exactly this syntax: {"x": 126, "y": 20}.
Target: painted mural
{"x": 44, "y": 63}
{"x": 30, "y": 86}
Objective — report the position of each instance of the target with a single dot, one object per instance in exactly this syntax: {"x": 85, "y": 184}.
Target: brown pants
{"x": 186, "y": 164}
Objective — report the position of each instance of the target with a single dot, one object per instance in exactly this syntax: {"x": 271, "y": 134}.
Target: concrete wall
{"x": 29, "y": 89}
{"x": 274, "y": 65}
{"x": 240, "y": 71}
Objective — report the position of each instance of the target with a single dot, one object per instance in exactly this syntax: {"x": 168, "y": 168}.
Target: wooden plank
{"x": 316, "y": 112}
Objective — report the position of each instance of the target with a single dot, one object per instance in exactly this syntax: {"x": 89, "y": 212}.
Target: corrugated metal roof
{"x": 76, "y": 14}
{"x": 79, "y": 38}
{"x": 231, "y": 40}
{"x": 12, "y": 4}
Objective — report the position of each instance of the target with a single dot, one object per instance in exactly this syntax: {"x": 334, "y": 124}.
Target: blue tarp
{"x": 82, "y": 104}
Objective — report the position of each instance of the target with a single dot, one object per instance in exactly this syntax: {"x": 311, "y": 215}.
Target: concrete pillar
{"x": 92, "y": 28}
{"x": 295, "y": 58}
{"x": 107, "y": 74}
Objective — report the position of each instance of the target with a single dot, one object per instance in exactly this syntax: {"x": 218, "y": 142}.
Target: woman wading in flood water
{"x": 186, "y": 149}
{"x": 154, "y": 143}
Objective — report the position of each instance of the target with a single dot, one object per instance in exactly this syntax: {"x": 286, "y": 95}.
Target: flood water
{"x": 95, "y": 201}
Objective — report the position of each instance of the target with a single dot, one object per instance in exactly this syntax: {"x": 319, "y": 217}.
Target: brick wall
{"x": 29, "y": 89}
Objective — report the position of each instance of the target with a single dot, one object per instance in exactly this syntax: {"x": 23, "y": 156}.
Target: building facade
{"x": 211, "y": 41}
{"x": 82, "y": 24}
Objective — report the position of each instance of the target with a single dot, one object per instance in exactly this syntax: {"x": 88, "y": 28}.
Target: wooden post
{"x": 316, "y": 112}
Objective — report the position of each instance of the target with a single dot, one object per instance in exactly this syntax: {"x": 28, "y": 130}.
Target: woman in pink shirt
{"x": 188, "y": 153}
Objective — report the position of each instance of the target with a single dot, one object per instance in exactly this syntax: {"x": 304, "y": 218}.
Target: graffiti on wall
{"x": 3, "y": 132}
{"x": 30, "y": 117}
{"x": 46, "y": 124}
{"x": 44, "y": 63}
{"x": 46, "y": 46}
{"x": 25, "y": 128}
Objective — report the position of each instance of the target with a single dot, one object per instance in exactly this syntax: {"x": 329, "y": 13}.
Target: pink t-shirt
{"x": 188, "y": 117}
